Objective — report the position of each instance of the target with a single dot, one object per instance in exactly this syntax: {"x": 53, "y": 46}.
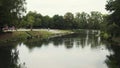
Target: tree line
{"x": 11, "y": 14}
{"x": 82, "y": 20}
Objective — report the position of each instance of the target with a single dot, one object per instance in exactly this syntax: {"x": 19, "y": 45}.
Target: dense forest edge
{"x": 109, "y": 24}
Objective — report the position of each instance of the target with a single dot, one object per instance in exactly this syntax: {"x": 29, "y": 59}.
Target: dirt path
{"x": 49, "y": 30}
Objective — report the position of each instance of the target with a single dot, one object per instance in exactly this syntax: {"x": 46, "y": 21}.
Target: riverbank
{"x": 116, "y": 41}
{"x": 23, "y": 34}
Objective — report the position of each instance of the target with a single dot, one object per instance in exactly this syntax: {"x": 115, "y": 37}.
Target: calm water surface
{"x": 83, "y": 50}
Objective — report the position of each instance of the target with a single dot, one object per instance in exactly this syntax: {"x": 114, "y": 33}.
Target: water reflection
{"x": 83, "y": 39}
{"x": 113, "y": 60}
{"x": 9, "y": 55}
{"x": 81, "y": 50}
{"x": 9, "y": 58}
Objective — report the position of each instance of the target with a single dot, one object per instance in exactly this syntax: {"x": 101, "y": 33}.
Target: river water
{"x": 81, "y": 50}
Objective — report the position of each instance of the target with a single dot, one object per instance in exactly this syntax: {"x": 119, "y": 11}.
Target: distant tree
{"x": 46, "y": 20}
{"x": 96, "y": 18}
{"x": 30, "y": 19}
{"x": 77, "y": 20}
{"x": 84, "y": 20}
{"x": 38, "y": 20}
{"x": 69, "y": 20}
{"x": 58, "y": 22}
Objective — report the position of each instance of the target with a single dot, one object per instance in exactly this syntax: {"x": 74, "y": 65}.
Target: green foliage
{"x": 68, "y": 18}
{"x": 114, "y": 30}
{"x": 11, "y": 12}
{"x": 83, "y": 19}
{"x": 114, "y": 7}
{"x": 114, "y": 18}
{"x": 105, "y": 35}
{"x": 58, "y": 22}
{"x": 96, "y": 18}
{"x": 68, "y": 21}
{"x": 46, "y": 21}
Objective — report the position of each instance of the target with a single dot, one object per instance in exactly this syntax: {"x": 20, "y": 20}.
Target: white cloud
{"x": 51, "y": 7}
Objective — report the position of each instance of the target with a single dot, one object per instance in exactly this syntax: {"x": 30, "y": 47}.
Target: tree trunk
{"x": 1, "y": 29}
{"x": 31, "y": 28}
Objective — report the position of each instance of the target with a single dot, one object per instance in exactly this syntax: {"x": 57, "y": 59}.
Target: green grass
{"x": 20, "y": 36}
{"x": 39, "y": 34}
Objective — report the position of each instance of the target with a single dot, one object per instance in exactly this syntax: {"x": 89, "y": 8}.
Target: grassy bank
{"x": 23, "y": 35}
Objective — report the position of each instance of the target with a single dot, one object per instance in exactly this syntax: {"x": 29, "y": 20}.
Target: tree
{"x": 69, "y": 19}
{"x": 30, "y": 19}
{"x": 114, "y": 7}
{"x": 46, "y": 20}
{"x": 58, "y": 22}
{"x": 114, "y": 18}
{"x": 84, "y": 20}
{"x": 96, "y": 18}
{"x": 77, "y": 20}
{"x": 38, "y": 20}
{"x": 103, "y": 25}
{"x": 11, "y": 11}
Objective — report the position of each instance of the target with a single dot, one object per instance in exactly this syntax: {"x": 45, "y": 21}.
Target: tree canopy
{"x": 11, "y": 11}
{"x": 113, "y": 6}
{"x": 68, "y": 21}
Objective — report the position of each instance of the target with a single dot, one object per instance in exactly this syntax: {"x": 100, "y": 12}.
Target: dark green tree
{"x": 58, "y": 22}
{"x": 113, "y": 6}
{"x": 11, "y": 12}
{"x": 46, "y": 20}
{"x": 30, "y": 19}
{"x": 69, "y": 20}
{"x": 38, "y": 20}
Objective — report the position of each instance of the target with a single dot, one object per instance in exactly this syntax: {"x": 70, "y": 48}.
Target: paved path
{"x": 49, "y": 30}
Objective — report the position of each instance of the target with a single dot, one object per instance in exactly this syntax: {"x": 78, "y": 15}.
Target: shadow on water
{"x": 113, "y": 60}
{"x": 9, "y": 57}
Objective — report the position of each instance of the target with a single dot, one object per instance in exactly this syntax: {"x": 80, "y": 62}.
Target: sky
{"x": 52, "y": 7}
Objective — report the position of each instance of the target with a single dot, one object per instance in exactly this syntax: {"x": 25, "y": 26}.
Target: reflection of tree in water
{"x": 9, "y": 57}
{"x": 36, "y": 42}
{"x": 78, "y": 40}
{"x": 113, "y": 60}
{"x": 69, "y": 43}
{"x": 57, "y": 42}
{"x": 31, "y": 43}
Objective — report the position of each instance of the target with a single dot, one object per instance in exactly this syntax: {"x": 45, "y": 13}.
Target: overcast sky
{"x": 52, "y": 7}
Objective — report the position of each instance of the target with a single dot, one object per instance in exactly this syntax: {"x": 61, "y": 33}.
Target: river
{"x": 81, "y": 50}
